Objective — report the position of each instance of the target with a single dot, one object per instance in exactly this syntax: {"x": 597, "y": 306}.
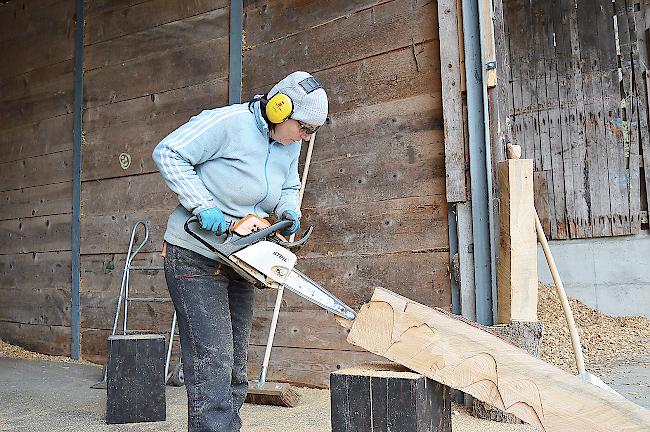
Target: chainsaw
{"x": 255, "y": 250}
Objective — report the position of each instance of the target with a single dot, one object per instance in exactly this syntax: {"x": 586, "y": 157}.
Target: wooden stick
{"x": 559, "y": 287}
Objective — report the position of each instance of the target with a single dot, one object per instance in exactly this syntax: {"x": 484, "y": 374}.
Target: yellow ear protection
{"x": 280, "y": 107}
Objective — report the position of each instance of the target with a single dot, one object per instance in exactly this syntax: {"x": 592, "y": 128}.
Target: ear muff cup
{"x": 279, "y": 108}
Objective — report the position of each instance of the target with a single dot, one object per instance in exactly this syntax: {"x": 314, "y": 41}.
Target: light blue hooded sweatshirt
{"x": 224, "y": 158}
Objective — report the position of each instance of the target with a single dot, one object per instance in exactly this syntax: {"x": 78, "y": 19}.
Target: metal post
{"x": 236, "y": 29}
{"x": 453, "y": 250}
{"x": 75, "y": 318}
{"x": 479, "y": 171}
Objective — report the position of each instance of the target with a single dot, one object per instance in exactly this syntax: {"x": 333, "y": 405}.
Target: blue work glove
{"x": 292, "y": 216}
{"x": 213, "y": 219}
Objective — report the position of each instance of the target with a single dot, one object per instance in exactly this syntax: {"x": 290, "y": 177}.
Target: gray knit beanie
{"x": 309, "y": 108}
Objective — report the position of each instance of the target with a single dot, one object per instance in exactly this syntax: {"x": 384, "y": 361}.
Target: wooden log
{"x": 466, "y": 357}
{"x": 517, "y": 260}
{"x": 375, "y": 397}
{"x": 135, "y": 384}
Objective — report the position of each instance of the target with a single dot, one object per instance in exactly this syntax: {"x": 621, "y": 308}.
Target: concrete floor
{"x": 54, "y": 396}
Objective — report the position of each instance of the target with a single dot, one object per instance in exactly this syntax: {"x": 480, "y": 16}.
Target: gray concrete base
{"x": 609, "y": 274}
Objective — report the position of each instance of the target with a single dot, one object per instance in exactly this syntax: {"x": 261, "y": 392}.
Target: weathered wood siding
{"x": 149, "y": 66}
{"x": 36, "y": 99}
{"x": 376, "y": 193}
{"x": 376, "y": 188}
{"x": 579, "y": 109}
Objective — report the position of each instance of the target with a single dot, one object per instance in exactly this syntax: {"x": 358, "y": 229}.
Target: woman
{"x": 224, "y": 164}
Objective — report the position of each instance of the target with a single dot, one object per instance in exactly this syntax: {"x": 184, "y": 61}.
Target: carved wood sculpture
{"x": 469, "y": 358}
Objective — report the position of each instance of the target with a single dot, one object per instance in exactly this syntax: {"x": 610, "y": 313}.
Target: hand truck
{"x": 175, "y": 377}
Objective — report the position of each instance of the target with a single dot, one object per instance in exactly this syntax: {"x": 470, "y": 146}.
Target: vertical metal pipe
{"x": 476, "y": 112}
{"x": 488, "y": 163}
{"x": 236, "y": 29}
{"x": 75, "y": 318}
{"x": 453, "y": 250}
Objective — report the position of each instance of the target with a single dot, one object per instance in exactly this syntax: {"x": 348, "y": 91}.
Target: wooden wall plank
{"x": 32, "y": 305}
{"x": 383, "y": 174}
{"x": 29, "y": 52}
{"x": 578, "y": 139}
{"x": 362, "y": 34}
{"x": 36, "y": 139}
{"x": 348, "y": 132}
{"x": 36, "y": 234}
{"x": 53, "y": 340}
{"x": 418, "y": 275}
{"x": 36, "y": 171}
{"x": 36, "y": 201}
{"x": 455, "y": 185}
{"x": 639, "y": 62}
{"x": 108, "y": 21}
{"x": 629, "y": 113}
{"x": 397, "y": 225}
{"x": 385, "y": 77}
{"x": 136, "y": 126}
{"x": 37, "y": 95}
{"x": 614, "y": 132}
{"x": 268, "y": 21}
{"x": 591, "y": 23}
{"x": 181, "y": 67}
{"x": 554, "y": 122}
{"x": 182, "y": 33}
{"x": 566, "y": 111}
{"x": 297, "y": 365}
{"x": 49, "y": 270}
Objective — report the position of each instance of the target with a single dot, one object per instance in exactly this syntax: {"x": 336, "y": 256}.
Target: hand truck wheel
{"x": 177, "y": 378}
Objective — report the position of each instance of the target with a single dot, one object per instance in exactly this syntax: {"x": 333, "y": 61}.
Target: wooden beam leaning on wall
{"x": 469, "y": 358}
{"x": 517, "y": 255}
{"x": 452, "y": 104}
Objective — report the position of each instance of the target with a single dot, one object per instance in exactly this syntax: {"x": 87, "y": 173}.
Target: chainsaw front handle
{"x": 233, "y": 246}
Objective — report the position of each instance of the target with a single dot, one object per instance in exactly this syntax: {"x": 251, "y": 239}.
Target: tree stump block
{"x": 525, "y": 335}
{"x": 135, "y": 381}
{"x": 381, "y": 398}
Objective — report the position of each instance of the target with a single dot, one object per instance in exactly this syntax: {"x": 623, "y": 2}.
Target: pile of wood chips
{"x": 8, "y": 350}
{"x": 605, "y": 340}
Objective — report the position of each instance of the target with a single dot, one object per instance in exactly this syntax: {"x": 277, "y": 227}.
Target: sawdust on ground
{"x": 605, "y": 340}
{"x": 8, "y": 350}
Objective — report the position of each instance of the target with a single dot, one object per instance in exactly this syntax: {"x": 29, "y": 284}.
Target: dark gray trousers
{"x": 214, "y": 306}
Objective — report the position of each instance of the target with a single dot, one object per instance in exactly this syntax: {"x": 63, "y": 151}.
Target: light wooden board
{"x": 517, "y": 255}
{"x": 450, "y": 72}
{"x": 465, "y": 357}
